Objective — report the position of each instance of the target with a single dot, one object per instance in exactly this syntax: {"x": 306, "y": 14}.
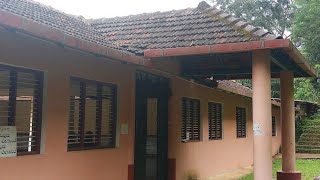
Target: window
{"x": 21, "y": 106}
{"x": 190, "y": 120}
{"x": 274, "y": 126}
{"x": 215, "y": 120}
{"x": 92, "y": 121}
{"x": 241, "y": 122}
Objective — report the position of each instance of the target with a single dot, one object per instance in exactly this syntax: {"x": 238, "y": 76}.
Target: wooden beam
{"x": 218, "y": 48}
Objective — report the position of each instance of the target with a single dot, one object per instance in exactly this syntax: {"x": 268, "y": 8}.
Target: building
{"x": 143, "y": 97}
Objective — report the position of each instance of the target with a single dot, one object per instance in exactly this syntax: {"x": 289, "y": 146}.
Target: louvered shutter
{"x": 190, "y": 129}
{"x": 21, "y": 106}
{"x": 92, "y": 121}
{"x": 274, "y": 126}
{"x": 241, "y": 122}
{"x": 215, "y": 120}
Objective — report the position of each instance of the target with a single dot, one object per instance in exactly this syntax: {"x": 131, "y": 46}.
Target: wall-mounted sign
{"x": 8, "y": 141}
{"x": 257, "y": 131}
{"x": 124, "y": 128}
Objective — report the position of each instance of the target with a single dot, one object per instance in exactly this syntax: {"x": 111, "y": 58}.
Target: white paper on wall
{"x": 8, "y": 141}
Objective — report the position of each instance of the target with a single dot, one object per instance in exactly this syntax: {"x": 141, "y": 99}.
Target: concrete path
{"x": 234, "y": 175}
{"x": 303, "y": 156}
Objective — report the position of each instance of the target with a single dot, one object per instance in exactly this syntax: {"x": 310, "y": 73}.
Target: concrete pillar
{"x": 288, "y": 128}
{"x": 262, "y": 123}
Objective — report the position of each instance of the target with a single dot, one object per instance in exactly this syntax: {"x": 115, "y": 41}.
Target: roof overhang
{"x": 284, "y": 46}
{"x": 35, "y": 29}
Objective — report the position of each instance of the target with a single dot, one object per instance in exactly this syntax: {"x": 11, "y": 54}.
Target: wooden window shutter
{"x": 215, "y": 120}
{"x": 21, "y": 106}
{"x": 274, "y": 126}
{"x": 93, "y": 114}
{"x": 241, "y": 122}
{"x": 190, "y": 129}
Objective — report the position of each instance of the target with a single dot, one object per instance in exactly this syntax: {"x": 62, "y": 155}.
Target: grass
{"x": 308, "y": 167}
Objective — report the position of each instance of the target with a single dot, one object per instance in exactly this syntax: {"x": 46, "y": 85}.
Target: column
{"x": 262, "y": 123}
{"x": 288, "y": 128}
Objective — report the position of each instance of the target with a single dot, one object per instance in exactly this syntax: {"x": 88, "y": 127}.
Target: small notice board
{"x": 8, "y": 141}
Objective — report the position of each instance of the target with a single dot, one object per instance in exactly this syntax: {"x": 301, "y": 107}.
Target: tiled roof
{"x": 55, "y": 19}
{"x": 204, "y": 25}
{"x": 237, "y": 88}
{"x": 44, "y": 22}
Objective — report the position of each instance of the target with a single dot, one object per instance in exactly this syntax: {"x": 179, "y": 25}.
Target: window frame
{"x": 221, "y": 120}
{"x": 183, "y": 124}
{"x": 82, "y": 117}
{"x": 12, "y": 101}
{"x": 244, "y": 135}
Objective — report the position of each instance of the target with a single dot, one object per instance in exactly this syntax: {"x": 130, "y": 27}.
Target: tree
{"x": 306, "y": 34}
{"x": 306, "y": 31}
{"x": 273, "y": 15}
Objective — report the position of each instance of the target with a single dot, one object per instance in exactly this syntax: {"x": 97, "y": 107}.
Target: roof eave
{"x": 284, "y": 44}
{"x": 44, "y": 32}
{"x": 300, "y": 60}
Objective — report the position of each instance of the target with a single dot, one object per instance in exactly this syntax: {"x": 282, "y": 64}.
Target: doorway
{"x": 151, "y": 127}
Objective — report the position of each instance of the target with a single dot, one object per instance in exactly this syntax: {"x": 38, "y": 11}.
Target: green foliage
{"x": 306, "y": 31}
{"x": 304, "y": 90}
{"x": 300, "y": 126}
{"x": 306, "y": 34}
{"x": 274, "y": 15}
{"x": 308, "y": 167}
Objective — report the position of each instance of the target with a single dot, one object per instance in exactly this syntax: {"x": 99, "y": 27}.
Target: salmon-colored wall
{"x": 210, "y": 157}
{"x": 206, "y": 158}
{"x": 55, "y": 163}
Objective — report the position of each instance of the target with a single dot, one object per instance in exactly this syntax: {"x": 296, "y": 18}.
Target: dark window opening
{"x": 190, "y": 120}
{"x": 215, "y": 120}
{"x": 274, "y": 126}
{"x": 241, "y": 122}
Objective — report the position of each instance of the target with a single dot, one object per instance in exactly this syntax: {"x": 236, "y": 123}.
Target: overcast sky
{"x": 112, "y": 8}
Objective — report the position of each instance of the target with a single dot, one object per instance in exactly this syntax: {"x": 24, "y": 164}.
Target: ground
{"x": 310, "y": 168}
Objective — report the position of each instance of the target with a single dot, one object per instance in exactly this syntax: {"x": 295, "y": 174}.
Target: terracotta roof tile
{"x": 55, "y": 19}
{"x": 178, "y": 28}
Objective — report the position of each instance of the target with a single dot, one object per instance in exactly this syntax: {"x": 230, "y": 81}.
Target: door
{"x": 151, "y": 127}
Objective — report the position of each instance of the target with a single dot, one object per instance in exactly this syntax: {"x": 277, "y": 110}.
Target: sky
{"x": 112, "y": 8}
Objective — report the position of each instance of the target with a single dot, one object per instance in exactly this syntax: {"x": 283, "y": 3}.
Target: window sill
{"x": 242, "y": 137}
{"x": 90, "y": 148}
{"x": 27, "y": 153}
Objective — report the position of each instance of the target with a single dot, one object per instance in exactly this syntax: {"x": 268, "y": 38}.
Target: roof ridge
{"x": 238, "y": 24}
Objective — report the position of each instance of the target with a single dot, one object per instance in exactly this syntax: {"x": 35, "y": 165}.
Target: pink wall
{"x": 55, "y": 163}
{"x": 206, "y": 158}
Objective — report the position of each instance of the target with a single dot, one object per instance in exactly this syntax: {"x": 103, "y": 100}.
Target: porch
{"x": 95, "y": 103}
{"x": 259, "y": 61}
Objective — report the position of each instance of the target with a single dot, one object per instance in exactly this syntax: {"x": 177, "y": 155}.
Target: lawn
{"x": 308, "y": 167}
